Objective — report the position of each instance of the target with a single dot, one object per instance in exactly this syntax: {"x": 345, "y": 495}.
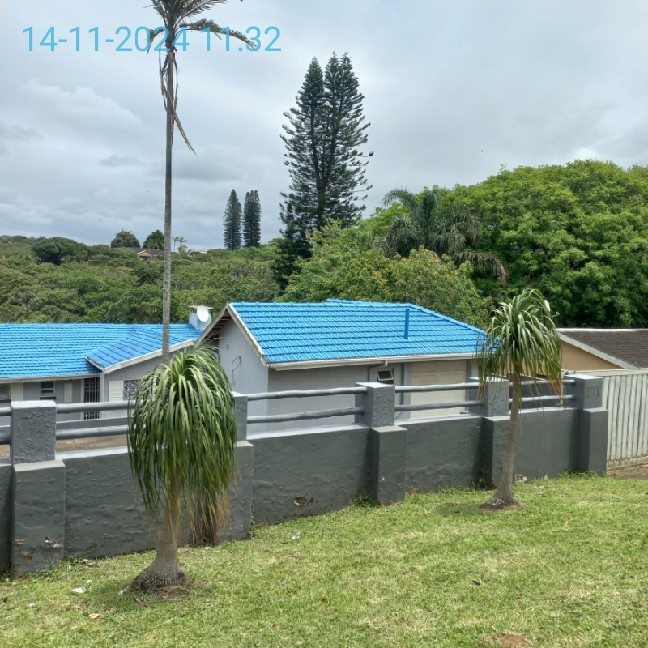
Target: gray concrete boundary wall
{"x": 87, "y": 503}
{"x": 6, "y": 500}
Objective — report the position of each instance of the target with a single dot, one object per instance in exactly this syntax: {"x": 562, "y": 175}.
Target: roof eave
{"x": 339, "y": 362}
{"x": 143, "y": 358}
{"x": 77, "y": 376}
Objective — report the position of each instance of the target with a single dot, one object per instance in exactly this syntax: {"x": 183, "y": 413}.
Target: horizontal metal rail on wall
{"x": 535, "y": 399}
{"x": 5, "y": 438}
{"x": 304, "y": 393}
{"x": 305, "y": 416}
{"x": 71, "y": 408}
{"x": 436, "y": 388}
{"x": 89, "y": 433}
{"x": 435, "y": 406}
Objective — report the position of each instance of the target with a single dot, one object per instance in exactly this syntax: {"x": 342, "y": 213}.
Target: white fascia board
{"x": 595, "y": 352}
{"x": 341, "y": 362}
{"x": 142, "y": 358}
{"x": 246, "y": 331}
{"x": 24, "y": 379}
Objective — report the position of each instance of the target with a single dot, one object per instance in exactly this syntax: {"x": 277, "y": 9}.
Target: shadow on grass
{"x": 115, "y": 596}
{"x": 460, "y": 509}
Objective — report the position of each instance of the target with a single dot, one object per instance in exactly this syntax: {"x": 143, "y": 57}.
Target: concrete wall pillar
{"x": 33, "y": 431}
{"x": 495, "y": 397}
{"x": 378, "y": 405}
{"x": 38, "y": 516}
{"x": 241, "y": 408}
{"x": 387, "y": 467}
{"x": 493, "y": 445}
{"x": 592, "y": 440}
{"x": 587, "y": 390}
{"x": 240, "y": 495}
{"x": 592, "y": 423}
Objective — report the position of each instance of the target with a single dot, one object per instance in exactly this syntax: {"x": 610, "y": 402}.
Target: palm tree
{"x": 177, "y": 16}
{"x": 522, "y": 341}
{"x": 437, "y": 225}
{"x": 181, "y": 439}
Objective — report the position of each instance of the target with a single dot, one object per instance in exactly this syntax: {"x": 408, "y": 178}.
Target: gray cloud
{"x": 113, "y": 161}
{"x": 15, "y": 132}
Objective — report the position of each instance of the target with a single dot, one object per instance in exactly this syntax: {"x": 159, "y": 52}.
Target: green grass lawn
{"x": 568, "y": 569}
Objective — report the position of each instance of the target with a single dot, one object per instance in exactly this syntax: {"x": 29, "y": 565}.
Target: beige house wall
{"x": 575, "y": 359}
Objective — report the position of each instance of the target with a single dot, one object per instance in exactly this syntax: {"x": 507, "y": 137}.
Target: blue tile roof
{"x": 42, "y": 350}
{"x": 339, "y": 330}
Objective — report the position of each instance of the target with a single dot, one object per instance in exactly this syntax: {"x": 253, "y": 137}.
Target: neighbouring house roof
{"x": 63, "y": 350}
{"x": 338, "y": 332}
{"x": 150, "y": 252}
{"x": 627, "y": 348}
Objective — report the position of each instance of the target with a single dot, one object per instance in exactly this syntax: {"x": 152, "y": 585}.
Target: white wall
{"x": 243, "y": 366}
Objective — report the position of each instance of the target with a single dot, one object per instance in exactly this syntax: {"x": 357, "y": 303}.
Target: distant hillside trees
{"x": 59, "y": 250}
{"x": 124, "y": 239}
{"x": 232, "y": 222}
{"x": 155, "y": 240}
{"x": 252, "y": 219}
{"x": 323, "y": 138}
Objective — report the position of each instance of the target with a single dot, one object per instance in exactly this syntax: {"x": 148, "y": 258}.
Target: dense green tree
{"x": 323, "y": 137}
{"x": 578, "y": 233}
{"x": 252, "y": 219}
{"x": 182, "y": 442}
{"x": 430, "y": 220}
{"x": 58, "y": 250}
{"x": 232, "y": 222}
{"x": 125, "y": 239}
{"x": 347, "y": 264}
{"x": 522, "y": 342}
{"x": 178, "y": 17}
{"x": 155, "y": 240}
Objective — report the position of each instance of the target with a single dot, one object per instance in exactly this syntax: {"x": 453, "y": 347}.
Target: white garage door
{"x": 438, "y": 372}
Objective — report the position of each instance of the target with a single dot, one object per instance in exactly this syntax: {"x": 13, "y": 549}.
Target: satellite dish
{"x": 202, "y": 312}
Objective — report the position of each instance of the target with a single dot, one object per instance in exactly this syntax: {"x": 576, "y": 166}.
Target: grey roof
{"x": 626, "y": 347}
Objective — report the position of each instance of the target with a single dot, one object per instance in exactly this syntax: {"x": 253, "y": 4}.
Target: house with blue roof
{"x": 83, "y": 363}
{"x": 266, "y": 347}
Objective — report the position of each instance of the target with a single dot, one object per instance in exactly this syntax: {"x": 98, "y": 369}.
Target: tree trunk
{"x": 503, "y": 496}
{"x": 168, "y": 190}
{"x": 165, "y": 571}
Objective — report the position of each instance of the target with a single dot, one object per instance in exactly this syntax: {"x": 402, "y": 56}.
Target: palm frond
{"x": 215, "y": 28}
{"x": 182, "y": 433}
{"x": 402, "y": 236}
{"x": 403, "y": 196}
{"x": 522, "y": 340}
{"x": 484, "y": 260}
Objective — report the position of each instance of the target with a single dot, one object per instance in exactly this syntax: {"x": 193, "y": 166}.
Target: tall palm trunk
{"x": 168, "y": 191}
{"x": 504, "y": 493}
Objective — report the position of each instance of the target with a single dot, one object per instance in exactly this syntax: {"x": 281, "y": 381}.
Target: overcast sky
{"x": 453, "y": 90}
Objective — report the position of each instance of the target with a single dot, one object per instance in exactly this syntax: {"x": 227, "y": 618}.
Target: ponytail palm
{"x": 182, "y": 439}
{"x": 521, "y": 341}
